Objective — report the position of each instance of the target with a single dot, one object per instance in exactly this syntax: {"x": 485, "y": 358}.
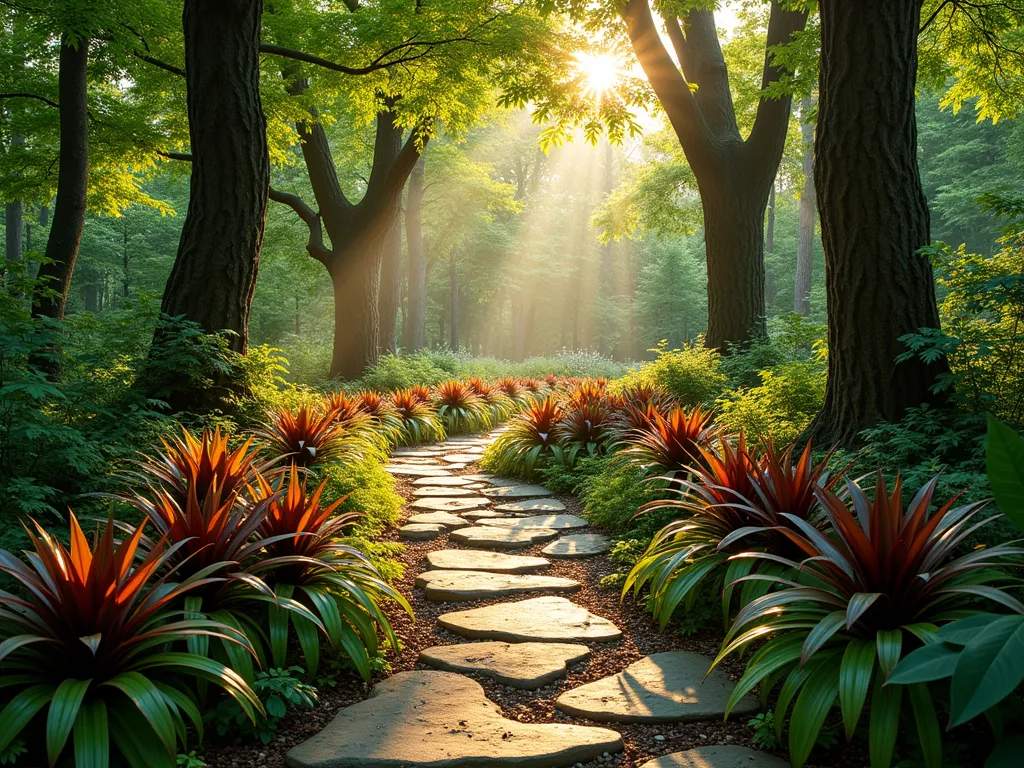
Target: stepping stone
{"x": 459, "y": 586}
{"x": 502, "y": 538}
{"x": 450, "y": 504}
{"x": 532, "y": 505}
{"x": 473, "y": 560}
{"x": 420, "y": 531}
{"x": 726, "y": 756}
{"x": 540, "y": 619}
{"x": 579, "y": 545}
{"x": 415, "y": 453}
{"x": 446, "y": 479}
{"x": 443, "y": 491}
{"x": 430, "y": 719}
{"x": 481, "y": 514}
{"x": 516, "y": 491}
{"x": 420, "y": 472}
{"x": 461, "y": 458}
{"x": 662, "y": 688}
{"x": 555, "y": 522}
{"x": 497, "y": 482}
{"x": 447, "y": 519}
{"x": 476, "y": 450}
{"x": 521, "y": 665}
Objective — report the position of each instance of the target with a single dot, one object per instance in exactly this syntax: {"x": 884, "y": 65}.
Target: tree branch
{"x": 177, "y": 71}
{"x": 311, "y": 218}
{"x": 406, "y": 160}
{"x": 33, "y": 96}
{"x": 184, "y": 157}
{"x": 769, "y": 131}
{"x": 665, "y": 78}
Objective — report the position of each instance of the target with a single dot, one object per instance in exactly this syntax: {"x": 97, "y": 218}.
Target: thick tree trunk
{"x": 734, "y": 174}
{"x": 874, "y": 217}
{"x": 390, "y": 289}
{"x": 14, "y": 245}
{"x": 734, "y": 241}
{"x": 453, "y": 283}
{"x": 50, "y": 295}
{"x": 414, "y": 330}
{"x": 805, "y": 239}
{"x": 771, "y": 288}
{"x": 214, "y": 275}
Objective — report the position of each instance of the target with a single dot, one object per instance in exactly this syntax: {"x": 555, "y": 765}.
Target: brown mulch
{"x": 641, "y": 637}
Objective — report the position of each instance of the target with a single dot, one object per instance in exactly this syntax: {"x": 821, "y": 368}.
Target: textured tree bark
{"x": 734, "y": 175}
{"x": 390, "y": 288}
{"x": 874, "y": 217}
{"x": 414, "y": 330}
{"x": 805, "y": 238}
{"x": 50, "y": 294}
{"x": 771, "y": 288}
{"x": 13, "y": 226}
{"x": 214, "y": 274}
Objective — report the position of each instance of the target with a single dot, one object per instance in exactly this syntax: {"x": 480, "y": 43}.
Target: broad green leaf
{"x": 885, "y": 721}
{"x": 150, "y": 702}
{"x": 60, "y": 718}
{"x": 989, "y": 668}
{"x": 810, "y": 711}
{"x": 890, "y": 645}
{"x": 928, "y": 731}
{"x": 855, "y": 673}
{"x": 1007, "y": 753}
{"x": 20, "y": 710}
{"x": 92, "y": 740}
{"x": 1004, "y": 458}
{"x": 932, "y": 662}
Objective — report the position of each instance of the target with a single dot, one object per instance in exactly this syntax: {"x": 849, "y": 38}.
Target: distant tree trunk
{"x": 50, "y": 295}
{"x": 358, "y": 232}
{"x": 453, "y": 281}
{"x": 214, "y": 275}
{"x": 414, "y": 330}
{"x": 607, "y": 321}
{"x": 390, "y": 289}
{"x": 13, "y": 226}
{"x": 126, "y": 258}
{"x": 734, "y": 175}
{"x": 805, "y": 241}
{"x": 91, "y": 297}
{"x": 874, "y": 217}
{"x": 771, "y": 289}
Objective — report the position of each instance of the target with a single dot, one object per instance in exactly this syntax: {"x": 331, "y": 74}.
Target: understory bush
{"x": 693, "y": 374}
{"x": 780, "y": 407}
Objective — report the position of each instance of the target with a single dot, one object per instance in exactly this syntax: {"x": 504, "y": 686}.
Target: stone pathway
{"x": 436, "y": 715}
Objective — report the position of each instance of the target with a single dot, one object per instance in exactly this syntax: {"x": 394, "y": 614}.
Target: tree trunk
{"x": 771, "y": 288}
{"x": 50, "y": 295}
{"x": 805, "y": 240}
{"x": 874, "y": 217}
{"x": 13, "y": 243}
{"x": 453, "y": 281}
{"x": 390, "y": 288}
{"x": 355, "y": 275}
{"x": 734, "y": 175}
{"x": 734, "y": 241}
{"x": 414, "y": 330}
{"x": 214, "y": 274}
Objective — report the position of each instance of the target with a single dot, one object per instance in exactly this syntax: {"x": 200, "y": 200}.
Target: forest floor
{"x": 641, "y": 742}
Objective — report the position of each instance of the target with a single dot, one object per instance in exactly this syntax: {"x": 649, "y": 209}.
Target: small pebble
{"x": 659, "y": 737}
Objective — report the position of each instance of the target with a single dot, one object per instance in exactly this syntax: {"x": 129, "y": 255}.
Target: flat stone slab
{"x": 521, "y": 665}
{"x": 532, "y": 505}
{"x": 441, "y": 490}
{"x": 446, "y": 479}
{"x": 579, "y": 545}
{"x": 555, "y": 522}
{"x": 481, "y": 514}
{"x": 430, "y": 719}
{"x": 540, "y": 619}
{"x": 417, "y": 471}
{"x": 447, "y": 519}
{"x": 459, "y": 586}
{"x": 515, "y": 491}
{"x": 495, "y": 480}
{"x": 726, "y": 756}
{"x": 476, "y": 560}
{"x": 420, "y": 531}
{"x": 449, "y": 503}
{"x": 417, "y": 453}
{"x": 462, "y": 458}
{"x": 661, "y": 688}
{"x": 502, "y": 538}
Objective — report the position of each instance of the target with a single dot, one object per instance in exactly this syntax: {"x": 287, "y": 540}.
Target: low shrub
{"x": 779, "y": 409}
{"x": 692, "y": 374}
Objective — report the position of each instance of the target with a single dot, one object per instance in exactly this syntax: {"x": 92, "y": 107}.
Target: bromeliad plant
{"x": 585, "y": 426}
{"x": 335, "y": 582}
{"x": 880, "y": 581}
{"x": 460, "y": 409}
{"x": 420, "y": 423}
{"x": 308, "y": 436}
{"x": 529, "y": 442}
{"x": 669, "y": 445}
{"x": 87, "y": 640}
{"x": 732, "y": 502}
{"x": 383, "y": 416}
{"x": 500, "y": 405}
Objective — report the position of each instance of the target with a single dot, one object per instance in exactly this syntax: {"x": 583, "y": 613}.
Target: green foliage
{"x": 614, "y": 494}
{"x": 280, "y": 690}
{"x": 789, "y": 396}
{"x": 366, "y": 488}
{"x": 692, "y": 374}
{"x": 764, "y": 731}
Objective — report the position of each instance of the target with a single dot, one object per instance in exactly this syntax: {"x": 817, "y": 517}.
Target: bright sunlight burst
{"x": 602, "y": 71}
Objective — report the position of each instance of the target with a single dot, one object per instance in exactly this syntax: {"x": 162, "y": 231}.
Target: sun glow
{"x": 601, "y": 70}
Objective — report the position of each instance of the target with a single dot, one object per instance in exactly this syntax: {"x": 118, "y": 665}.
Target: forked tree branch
{"x": 311, "y": 218}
